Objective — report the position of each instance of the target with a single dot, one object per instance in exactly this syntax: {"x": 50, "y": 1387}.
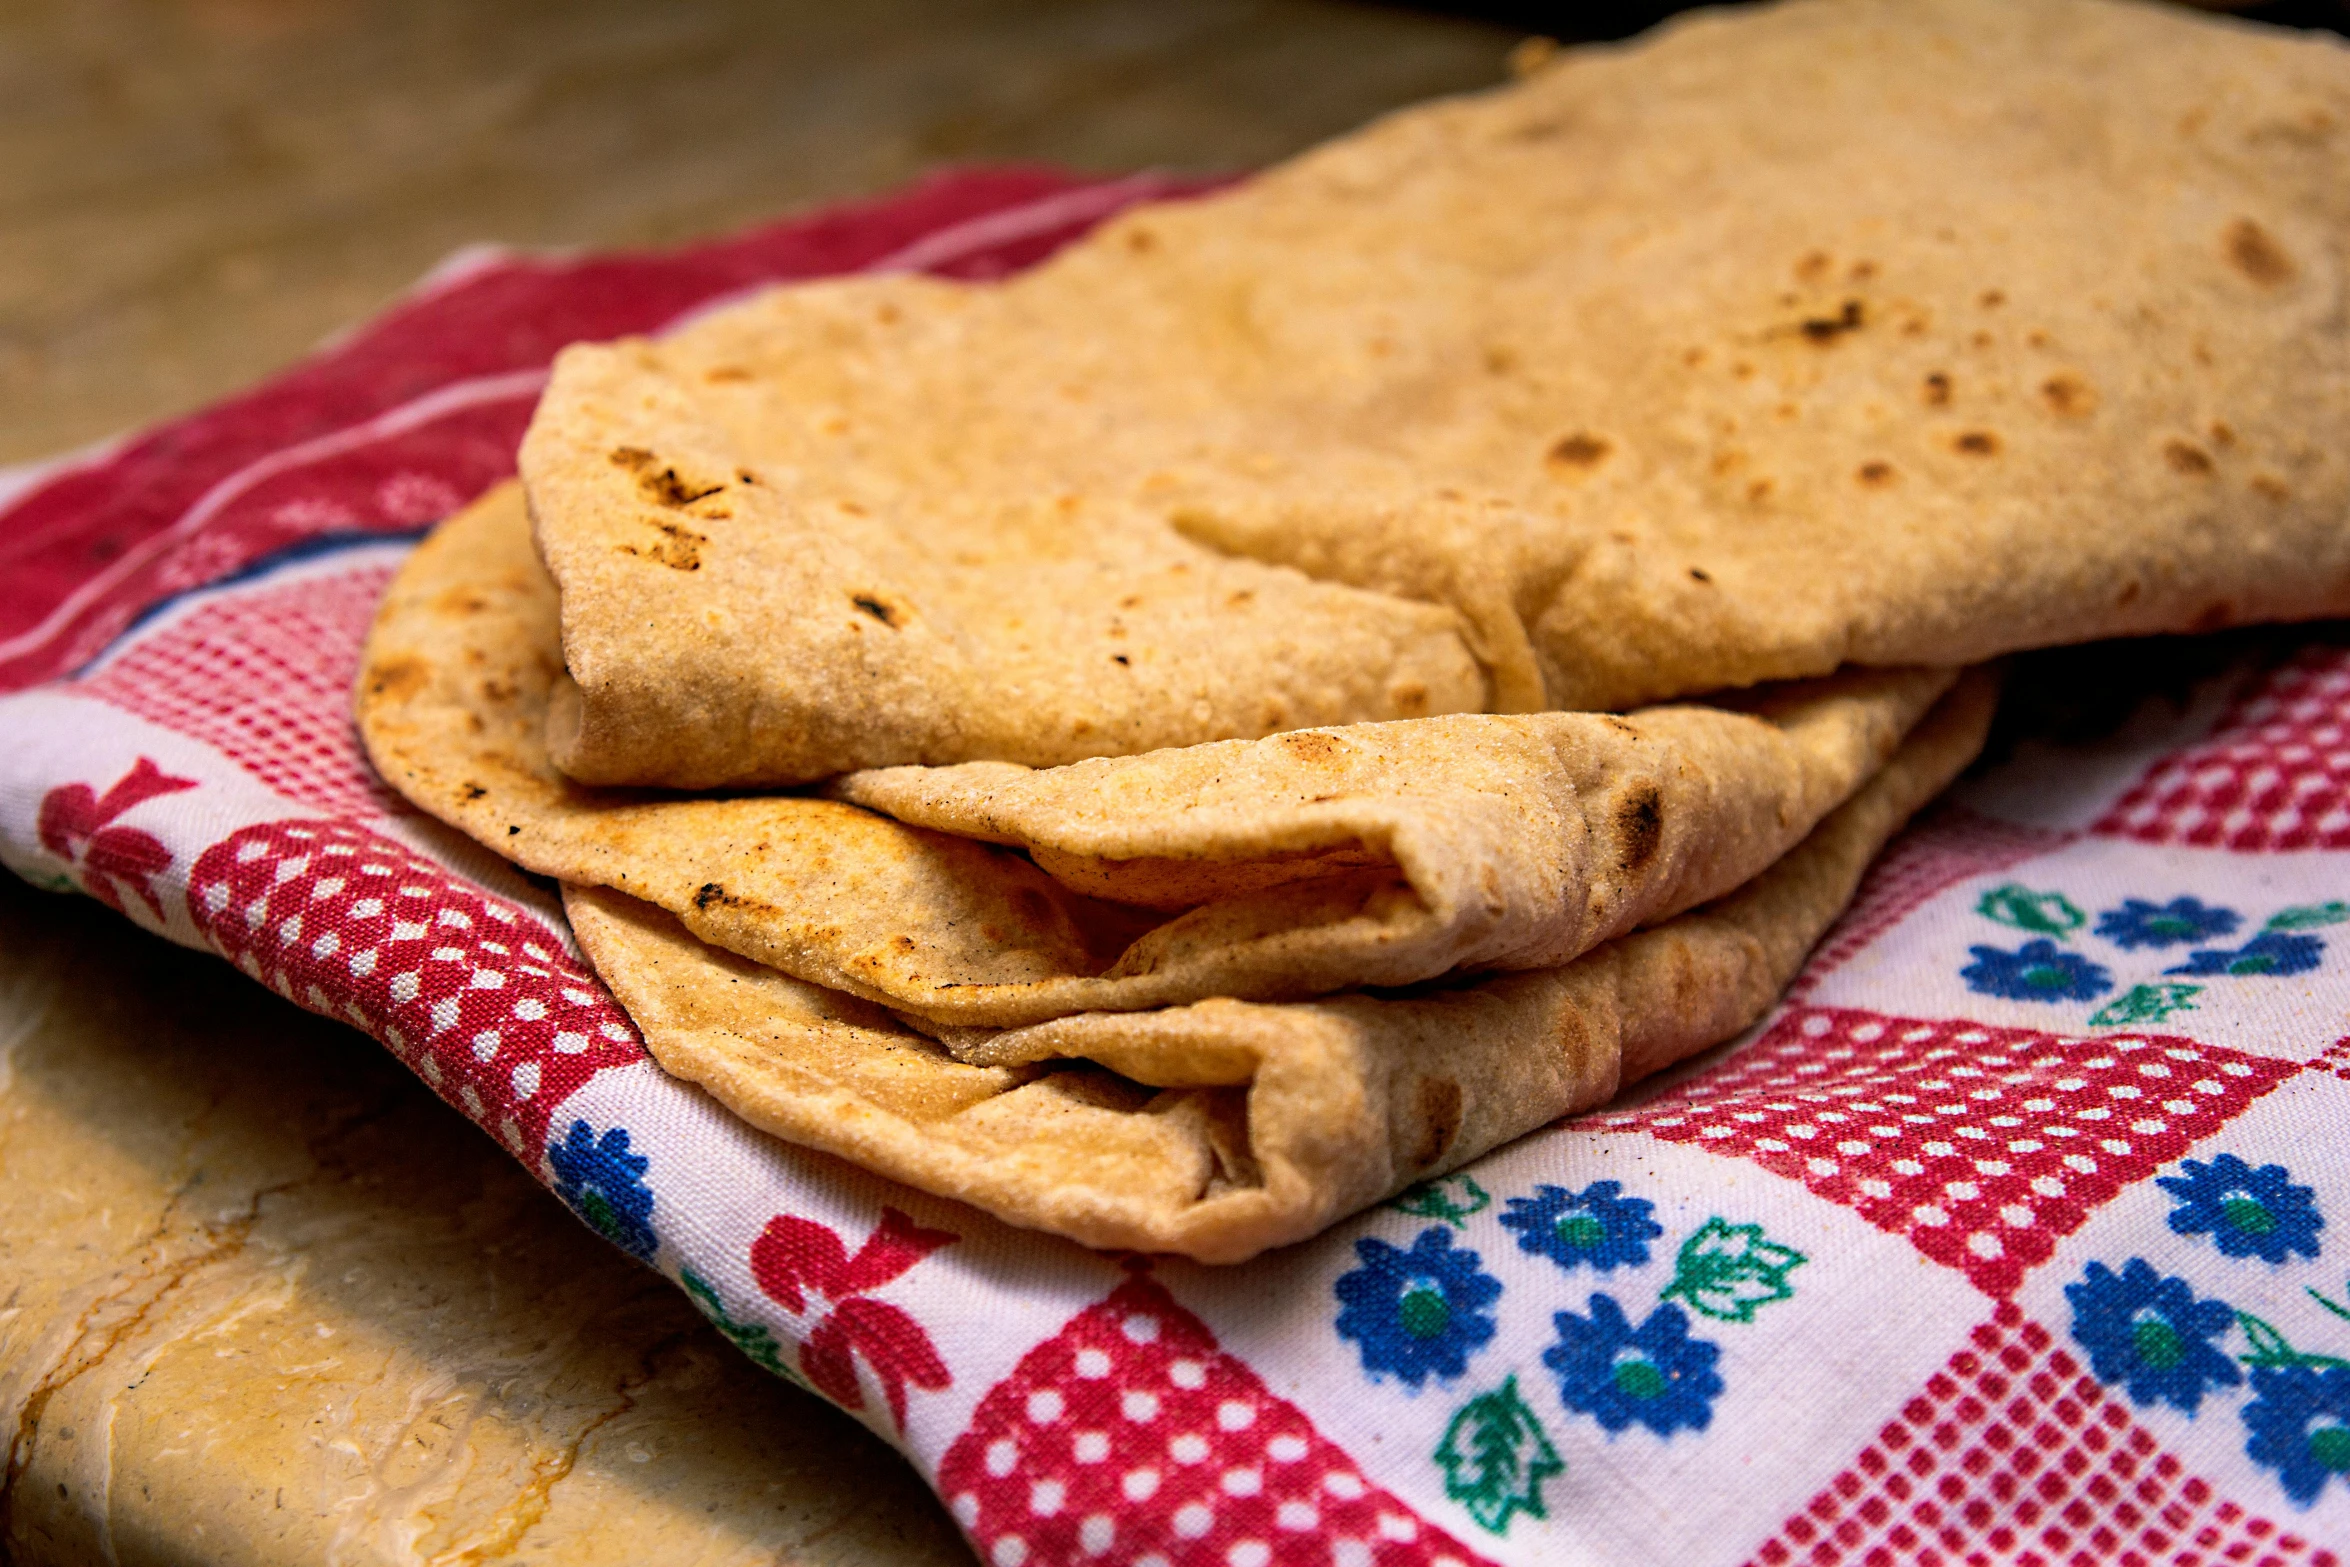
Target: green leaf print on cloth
{"x": 2145, "y": 1004}
{"x": 1729, "y": 1271}
{"x": 2042, "y": 913}
{"x": 1495, "y": 1458}
{"x": 752, "y": 1338}
{"x": 1449, "y": 1198}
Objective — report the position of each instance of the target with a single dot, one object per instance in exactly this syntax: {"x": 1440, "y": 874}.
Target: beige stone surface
{"x": 264, "y": 1299}
{"x": 193, "y": 192}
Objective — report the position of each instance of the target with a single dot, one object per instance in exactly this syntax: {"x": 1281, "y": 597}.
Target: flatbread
{"x": 1881, "y": 332}
{"x": 1275, "y": 869}
{"x": 1224, "y": 1127}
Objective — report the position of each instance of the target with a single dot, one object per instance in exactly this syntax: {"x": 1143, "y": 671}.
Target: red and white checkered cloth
{"x": 2020, "y": 1233}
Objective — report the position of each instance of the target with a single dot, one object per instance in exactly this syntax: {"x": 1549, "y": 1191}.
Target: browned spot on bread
{"x": 1579, "y": 450}
{"x": 2222, "y": 433}
{"x": 2269, "y": 485}
{"x": 1725, "y": 461}
{"x": 1141, "y": 241}
{"x": 472, "y": 791}
{"x": 1693, "y": 358}
{"x": 1640, "y": 826}
{"x": 1981, "y": 340}
{"x": 398, "y": 679}
{"x": 630, "y": 457}
{"x": 1976, "y": 443}
{"x": 667, "y": 489}
{"x": 2069, "y": 396}
{"x": 1440, "y": 1118}
{"x": 1876, "y": 474}
{"x": 1826, "y": 329}
{"x": 888, "y": 314}
{"x": 726, "y": 373}
{"x": 2186, "y": 457}
{"x": 880, "y": 611}
{"x": 1814, "y": 266}
{"x": 2216, "y": 616}
{"x": 1936, "y": 389}
{"x": 1500, "y": 361}
{"x": 679, "y": 550}
{"x": 1309, "y": 745}
{"x": 1742, "y": 371}
{"x": 1862, "y": 271}
{"x": 1409, "y": 696}
{"x": 1120, "y": 658}
{"x": 1992, "y": 298}
{"x": 1699, "y": 574}
{"x": 2036, "y": 338}
{"x": 1760, "y": 491}
{"x": 708, "y": 893}
{"x": 1620, "y": 725}
{"x": 2253, "y": 251}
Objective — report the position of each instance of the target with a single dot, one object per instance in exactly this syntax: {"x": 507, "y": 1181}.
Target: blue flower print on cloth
{"x": 1420, "y": 1312}
{"x": 2038, "y": 971}
{"x": 1597, "y": 1225}
{"x": 1655, "y": 1374}
{"x": 2138, "y": 923}
{"x": 2299, "y": 1418}
{"x": 2250, "y": 1213}
{"x": 2271, "y": 952}
{"x": 2151, "y": 1333}
{"x": 604, "y": 1184}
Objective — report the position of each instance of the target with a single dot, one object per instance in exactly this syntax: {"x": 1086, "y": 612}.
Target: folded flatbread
{"x": 1078, "y": 997}
{"x": 988, "y": 895}
{"x": 1224, "y": 1127}
{"x": 1879, "y": 332}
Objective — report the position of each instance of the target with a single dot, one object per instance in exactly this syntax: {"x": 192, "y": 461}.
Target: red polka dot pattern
{"x": 2275, "y": 774}
{"x": 1983, "y": 1145}
{"x": 1129, "y": 1439}
{"x": 2013, "y": 1455}
{"x": 265, "y": 679}
{"x": 479, "y": 997}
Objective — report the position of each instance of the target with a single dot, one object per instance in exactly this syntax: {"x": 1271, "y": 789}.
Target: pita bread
{"x": 1224, "y": 1127}
{"x": 1266, "y": 870}
{"x": 1880, "y": 332}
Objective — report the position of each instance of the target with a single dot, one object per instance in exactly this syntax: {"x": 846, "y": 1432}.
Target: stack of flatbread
{"x": 1314, "y": 682}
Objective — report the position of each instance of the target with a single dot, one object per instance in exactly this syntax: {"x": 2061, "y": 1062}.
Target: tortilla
{"x": 1881, "y": 332}
{"x": 1224, "y": 1127}
{"x": 1276, "y": 869}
